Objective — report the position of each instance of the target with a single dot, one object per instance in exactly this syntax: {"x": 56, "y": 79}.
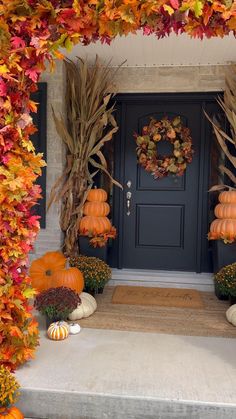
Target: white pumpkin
{"x": 87, "y": 307}
{"x": 74, "y": 328}
{"x": 231, "y": 314}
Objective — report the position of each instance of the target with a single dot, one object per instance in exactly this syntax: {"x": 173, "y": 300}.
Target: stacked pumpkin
{"x": 224, "y": 227}
{"x": 50, "y": 271}
{"x": 96, "y": 209}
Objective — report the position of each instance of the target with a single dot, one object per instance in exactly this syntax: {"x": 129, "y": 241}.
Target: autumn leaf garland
{"x": 31, "y": 34}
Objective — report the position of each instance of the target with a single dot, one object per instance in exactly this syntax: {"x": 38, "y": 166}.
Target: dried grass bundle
{"x": 90, "y": 124}
{"x": 227, "y": 143}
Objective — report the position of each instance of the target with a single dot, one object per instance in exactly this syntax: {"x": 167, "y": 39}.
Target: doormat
{"x": 207, "y": 321}
{"x": 165, "y": 297}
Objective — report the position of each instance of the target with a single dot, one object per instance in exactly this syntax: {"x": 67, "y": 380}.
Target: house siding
{"x": 128, "y": 80}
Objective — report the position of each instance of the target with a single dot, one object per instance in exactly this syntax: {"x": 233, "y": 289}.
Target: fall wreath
{"x": 147, "y": 149}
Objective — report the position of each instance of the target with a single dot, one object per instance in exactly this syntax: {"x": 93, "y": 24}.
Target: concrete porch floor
{"x": 115, "y": 374}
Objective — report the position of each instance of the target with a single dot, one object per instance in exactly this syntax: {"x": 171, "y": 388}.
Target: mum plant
{"x": 57, "y": 303}
{"x": 8, "y": 387}
{"x": 96, "y": 272}
{"x": 225, "y": 280}
{"x": 8, "y": 394}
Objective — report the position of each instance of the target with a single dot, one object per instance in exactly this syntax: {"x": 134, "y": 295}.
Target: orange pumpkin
{"x": 227, "y": 197}
{"x": 42, "y": 269}
{"x": 98, "y": 195}
{"x": 11, "y": 413}
{"x": 96, "y": 209}
{"x": 223, "y": 229}
{"x": 225, "y": 211}
{"x": 94, "y": 225}
{"x": 71, "y": 278}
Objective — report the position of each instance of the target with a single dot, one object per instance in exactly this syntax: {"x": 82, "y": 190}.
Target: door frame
{"x": 121, "y": 100}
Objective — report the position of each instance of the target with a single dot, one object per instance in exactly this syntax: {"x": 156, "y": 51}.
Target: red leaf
{"x": 3, "y": 88}
{"x": 32, "y": 74}
{"x": 17, "y": 42}
{"x": 174, "y": 4}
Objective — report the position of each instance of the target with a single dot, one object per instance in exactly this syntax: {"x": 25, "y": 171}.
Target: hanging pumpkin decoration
{"x": 224, "y": 227}
{"x": 86, "y": 308}
{"x": 11, "y": 413}
{"x": 58, "y": 331}
{"x": 42, "y": 269}
{"x": 70, "y": 277}
{"x": 95, "y": 223}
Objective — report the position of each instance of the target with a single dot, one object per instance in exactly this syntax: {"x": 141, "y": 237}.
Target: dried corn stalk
{"x": 89, "y": 114}
{"x": 227, "y": 142}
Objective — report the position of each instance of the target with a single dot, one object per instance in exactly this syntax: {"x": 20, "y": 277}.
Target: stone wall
{"x": 50, "y": 237}
{"x": 128, "y": 80}
{"x": 170, "y": 79}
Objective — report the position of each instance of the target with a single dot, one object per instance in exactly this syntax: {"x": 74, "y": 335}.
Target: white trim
{"x": 150, "y": 278}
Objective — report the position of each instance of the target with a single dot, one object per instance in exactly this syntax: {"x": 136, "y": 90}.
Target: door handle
{"x": 128, "y": 202}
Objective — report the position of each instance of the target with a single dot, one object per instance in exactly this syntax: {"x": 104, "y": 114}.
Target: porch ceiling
{"x": 141, "y": 51}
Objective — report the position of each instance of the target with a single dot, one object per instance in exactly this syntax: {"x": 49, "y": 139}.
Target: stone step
{"x": 127, "y": 375}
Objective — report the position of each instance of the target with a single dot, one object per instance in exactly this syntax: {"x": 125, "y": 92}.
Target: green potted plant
{"x": 225, "y": 283}
{"x": 96, "y": 273}
{"x": 56, "y": 303}
{"x": 8, "y": 395}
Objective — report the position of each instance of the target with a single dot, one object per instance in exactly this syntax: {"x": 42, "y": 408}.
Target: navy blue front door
{"x": 166, "y": 224}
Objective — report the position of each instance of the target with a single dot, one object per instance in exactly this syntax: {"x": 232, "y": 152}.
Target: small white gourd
{"x": 74, "y": 328}
{"x": 87, "y": 307}
{"x": 231, "y": 314}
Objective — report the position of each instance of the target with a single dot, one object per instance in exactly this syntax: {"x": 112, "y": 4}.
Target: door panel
{"x": 167, "y": 215}
{"x": 171, "y": 215}
{"x": 158, "y": 232}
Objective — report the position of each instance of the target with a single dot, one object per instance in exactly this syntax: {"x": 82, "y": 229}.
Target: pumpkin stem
{"x": 48, "y": 272}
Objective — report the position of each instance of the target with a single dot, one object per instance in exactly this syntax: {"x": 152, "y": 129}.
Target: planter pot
{"x": 223, "y": 254}
{"x": 87, "y": 250}
{"x": 93, "y": 291}
{"x": 219, "y": 294}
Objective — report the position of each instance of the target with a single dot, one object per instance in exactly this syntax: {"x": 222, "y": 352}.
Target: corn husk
{"x": 90, "y": 124}
{"x": 227, "y": 142}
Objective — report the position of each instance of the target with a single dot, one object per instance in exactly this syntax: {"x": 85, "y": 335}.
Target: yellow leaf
{"x": 3, "y": 69}
{"x": 168, "y": 9}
